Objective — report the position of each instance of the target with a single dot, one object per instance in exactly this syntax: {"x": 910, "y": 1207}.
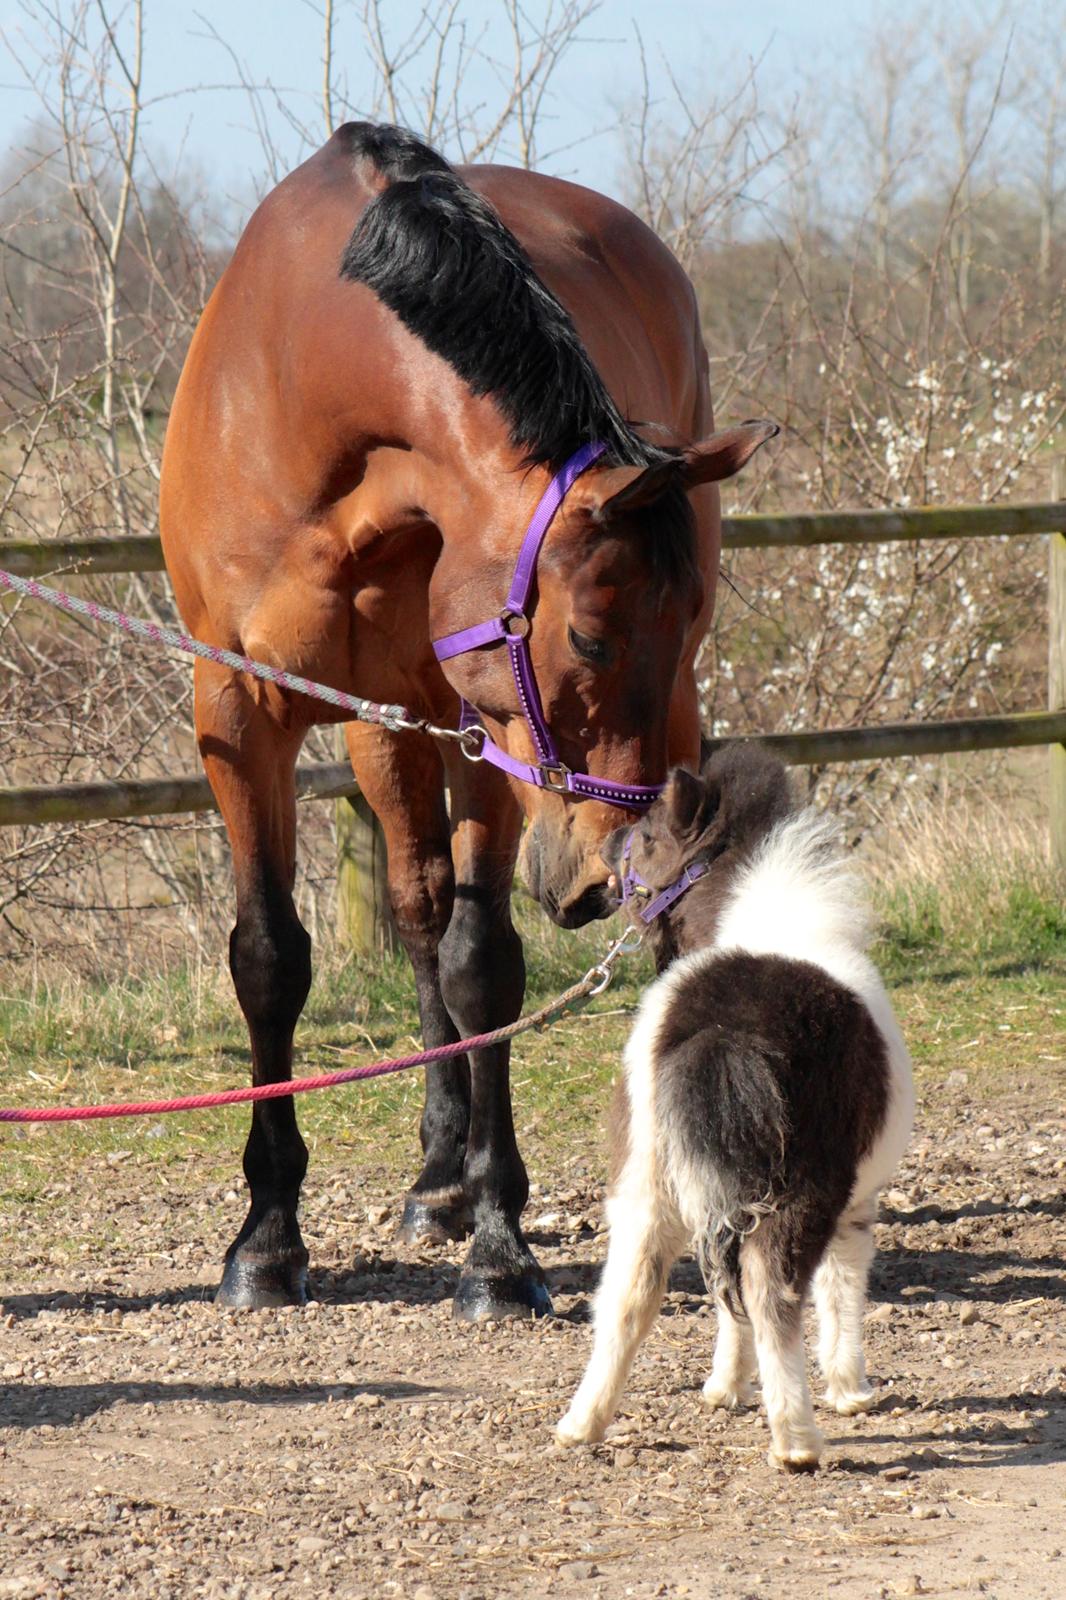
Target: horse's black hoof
{"x": 253, "y": 1283}
{"x": 443, "y": 1218}
{"x": 480, "y": 1298}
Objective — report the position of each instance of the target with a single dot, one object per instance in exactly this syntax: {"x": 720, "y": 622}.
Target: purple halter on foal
{"x": 512, "y": 626}
{"x": 633, "y": 885}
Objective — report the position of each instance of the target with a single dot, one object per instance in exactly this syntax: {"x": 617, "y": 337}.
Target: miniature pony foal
{"x": 766, "y": 1099}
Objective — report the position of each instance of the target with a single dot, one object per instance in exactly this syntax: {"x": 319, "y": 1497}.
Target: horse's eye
{"x": 594, "y": 650}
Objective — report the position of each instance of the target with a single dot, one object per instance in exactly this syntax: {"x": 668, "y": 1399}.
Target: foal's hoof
{"x": 483, "y": 1299}
{"x": 720, "y": 1395}
{"x": 794, "y": 1460}
{"x": 253, "y": 1283}
{"x": 440, "y": 1218}
{"x": 850, "y": 1402}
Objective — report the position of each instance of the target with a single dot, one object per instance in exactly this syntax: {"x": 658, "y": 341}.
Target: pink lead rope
{"x": 594, "y": 982}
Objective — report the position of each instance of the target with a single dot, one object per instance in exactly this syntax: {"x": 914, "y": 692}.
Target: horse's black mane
{"x": 438, "y": 256}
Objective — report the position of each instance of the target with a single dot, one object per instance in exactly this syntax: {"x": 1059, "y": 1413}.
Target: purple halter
{"x": 513, "y": 625}
{"x": 633, "y": 885}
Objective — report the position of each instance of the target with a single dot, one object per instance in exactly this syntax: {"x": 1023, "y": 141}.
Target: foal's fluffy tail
{"x": 725, "y": 1158}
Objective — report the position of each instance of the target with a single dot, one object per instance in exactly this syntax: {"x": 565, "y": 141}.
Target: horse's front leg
{"x": 250, "y": 762}
{"x": 482, "y": 974}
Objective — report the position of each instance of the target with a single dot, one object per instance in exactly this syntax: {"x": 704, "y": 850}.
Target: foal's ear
{"x": 708, "y": 461}
{"x": 690, "y": 803}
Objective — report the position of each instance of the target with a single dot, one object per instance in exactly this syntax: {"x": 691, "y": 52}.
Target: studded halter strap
{"x": 634, "y": 887}
{"x": 512, "y": 625}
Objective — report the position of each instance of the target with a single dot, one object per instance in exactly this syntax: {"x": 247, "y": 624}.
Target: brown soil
{"x": 368, "y": 1446}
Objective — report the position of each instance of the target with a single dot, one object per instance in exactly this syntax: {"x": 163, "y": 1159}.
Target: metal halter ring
{"x": 471, "y": 749}
{"x": 515, "y": 624}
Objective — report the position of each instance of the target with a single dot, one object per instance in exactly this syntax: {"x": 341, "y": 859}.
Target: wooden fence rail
{"x": 29, "y": 559}
{"x": 162, "y": 797}
{"x": 364, "y": 910}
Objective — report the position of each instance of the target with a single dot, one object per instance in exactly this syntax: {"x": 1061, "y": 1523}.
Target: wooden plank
{"x": 29, "y": 559}
{"x": 154, "y": 797}
{"x": 1056, "y": 676}
{"x": 886, "y": 527}
{"x": 364, "y": 913}
{"x": 831, "y": 745}
{"x": 91, "y": 802}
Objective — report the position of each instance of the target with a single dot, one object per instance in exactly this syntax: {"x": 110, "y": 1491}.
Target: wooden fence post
{"x": 1056, "y": 681}
{"x": 364, "y": 917}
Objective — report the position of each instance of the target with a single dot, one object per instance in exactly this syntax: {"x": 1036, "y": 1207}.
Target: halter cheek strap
{"x": 512, "y": 625}
{"x": 633, "y": 885}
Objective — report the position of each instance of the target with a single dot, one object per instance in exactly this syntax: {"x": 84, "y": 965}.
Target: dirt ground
{"x": 367, "y": 1446}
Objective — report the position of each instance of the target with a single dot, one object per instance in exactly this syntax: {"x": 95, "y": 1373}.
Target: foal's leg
{"x": 250, "y": 763}
{"x": 729, "y": 1385}
{"x": 840, "y": 1300}
{"x": 402, "y": 777}
{"x": 646, "y": 1238}
{"x": 774, "y": 1300}
{"x": 483, "y": 980}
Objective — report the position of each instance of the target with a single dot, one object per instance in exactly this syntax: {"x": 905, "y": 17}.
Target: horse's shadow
{"x": 960, "y": 1274}
{"x": 28, "y": 1405}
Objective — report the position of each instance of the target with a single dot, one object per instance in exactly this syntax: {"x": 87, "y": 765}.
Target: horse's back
{"x": 283, "y": 323}
{"x": 294, "y": 371}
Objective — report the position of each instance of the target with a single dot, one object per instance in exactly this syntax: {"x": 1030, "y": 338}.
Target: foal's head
{"x": 717, "y": 819}
{"x": 621, "y": 603}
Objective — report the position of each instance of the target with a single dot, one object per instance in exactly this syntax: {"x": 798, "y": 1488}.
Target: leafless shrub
{"x": 910, "y": 343}
{"x": 900, "y": 316}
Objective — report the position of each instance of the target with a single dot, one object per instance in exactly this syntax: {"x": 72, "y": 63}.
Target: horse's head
{"x": 621, "y": 599}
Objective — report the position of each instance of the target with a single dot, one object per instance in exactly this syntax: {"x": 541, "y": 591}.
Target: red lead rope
{"x": 593, "y": 983}
{"x": 261, "y": 1091}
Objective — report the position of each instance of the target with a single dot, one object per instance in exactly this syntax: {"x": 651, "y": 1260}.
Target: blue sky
{"x": 279, "y": 42}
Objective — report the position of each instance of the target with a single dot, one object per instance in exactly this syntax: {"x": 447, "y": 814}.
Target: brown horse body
{"x": 335, "y": 496}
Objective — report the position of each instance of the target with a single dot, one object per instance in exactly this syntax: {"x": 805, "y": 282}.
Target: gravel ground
{"x": 368, "y": 1445}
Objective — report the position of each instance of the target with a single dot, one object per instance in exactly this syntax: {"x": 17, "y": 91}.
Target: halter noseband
{"x": 512, "y": 625}
{"x": 633, "y": 885}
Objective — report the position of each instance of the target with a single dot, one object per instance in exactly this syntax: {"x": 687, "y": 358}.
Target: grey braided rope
{"x": 389, "y": 716}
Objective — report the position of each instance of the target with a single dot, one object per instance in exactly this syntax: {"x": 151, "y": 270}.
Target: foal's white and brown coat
{"x": 766, "y": 1099}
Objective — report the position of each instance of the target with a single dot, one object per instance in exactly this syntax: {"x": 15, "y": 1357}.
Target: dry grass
{"x": 967, "y": 878}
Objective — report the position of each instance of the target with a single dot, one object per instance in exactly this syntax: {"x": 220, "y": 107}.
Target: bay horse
{"x": 398, "y": 364}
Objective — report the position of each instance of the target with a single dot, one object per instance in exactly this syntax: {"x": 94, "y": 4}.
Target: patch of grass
{"x": 972, "y": 887}
{"x": 973, "y": 947}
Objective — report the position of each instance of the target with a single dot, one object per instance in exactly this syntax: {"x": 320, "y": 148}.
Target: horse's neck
{"x": 470, "y": 496}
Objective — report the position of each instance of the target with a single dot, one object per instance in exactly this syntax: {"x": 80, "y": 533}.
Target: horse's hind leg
{"x": 840, "y": 1300}
{"x": 729, "y": 1385}
{"x": 773, "y": 1296}
{"x": 646, "y": 1239}
{"x": 250, "y": 762}
{"x": 403, "y": 780}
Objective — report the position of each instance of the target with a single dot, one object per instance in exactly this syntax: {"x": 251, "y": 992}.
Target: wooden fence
{"x": 362, "y": 903}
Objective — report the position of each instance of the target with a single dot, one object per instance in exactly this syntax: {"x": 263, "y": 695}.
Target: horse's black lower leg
{"x": 483, "y": 981}
{"x": 270, "y": 959}
{"x": 436, "y": 1207}
{"x": 421, "y": 889}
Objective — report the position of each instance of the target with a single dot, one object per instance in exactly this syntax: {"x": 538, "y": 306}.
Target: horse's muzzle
{"x": 570, "y": 898}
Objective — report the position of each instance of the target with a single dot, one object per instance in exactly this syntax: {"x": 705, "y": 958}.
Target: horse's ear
{"x": 690, "y": 803}
{"x": 723, "y": 454}
{"x": 708, "y": 461}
